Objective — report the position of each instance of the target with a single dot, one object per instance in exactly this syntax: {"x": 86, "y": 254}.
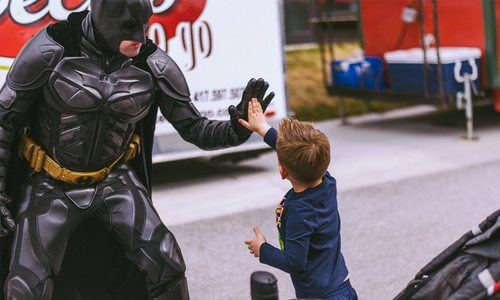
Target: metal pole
{"x": 424, "y": 48}
{"x": 468, "y": 80}
{"x": 438, "y": 47}
{"x": 316, "y": 21}
{"x": 468, "y": 108}
{"x": 328, "y": 21}
{"x": 342, "y": 113}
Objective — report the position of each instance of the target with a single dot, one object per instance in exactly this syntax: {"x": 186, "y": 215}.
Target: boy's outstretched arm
{"x": 257, "y": 122}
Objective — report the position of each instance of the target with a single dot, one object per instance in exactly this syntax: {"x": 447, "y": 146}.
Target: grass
{"x": 308, "y": 97}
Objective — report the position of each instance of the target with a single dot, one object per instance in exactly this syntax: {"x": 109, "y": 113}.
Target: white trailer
{"x": 219, "y": 45}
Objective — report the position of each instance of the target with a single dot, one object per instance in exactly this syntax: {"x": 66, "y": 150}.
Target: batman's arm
{"x": 176, "y": 106}
{"x": 29, "y": 72}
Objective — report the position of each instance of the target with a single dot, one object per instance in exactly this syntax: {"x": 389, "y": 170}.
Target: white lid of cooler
{"x": 416, "y": 55}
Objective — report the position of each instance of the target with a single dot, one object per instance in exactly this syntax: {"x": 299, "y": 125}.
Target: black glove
{"x": 255, "y": 89}
{"x": 7, "y": 224}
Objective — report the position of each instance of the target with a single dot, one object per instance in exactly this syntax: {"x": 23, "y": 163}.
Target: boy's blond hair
{"x": 302, "y": 150}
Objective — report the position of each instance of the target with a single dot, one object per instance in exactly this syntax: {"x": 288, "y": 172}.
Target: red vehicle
{"x": 471, "y": 23}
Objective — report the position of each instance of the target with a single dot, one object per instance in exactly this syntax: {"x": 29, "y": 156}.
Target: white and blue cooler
{"x": 363, "y": 72}
{"x": 405, "y": 68}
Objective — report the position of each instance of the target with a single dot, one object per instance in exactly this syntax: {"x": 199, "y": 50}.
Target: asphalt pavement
{"x": 409, "y": 185}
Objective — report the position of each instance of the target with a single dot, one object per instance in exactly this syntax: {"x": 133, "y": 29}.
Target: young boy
{"x": 307, "y": 218}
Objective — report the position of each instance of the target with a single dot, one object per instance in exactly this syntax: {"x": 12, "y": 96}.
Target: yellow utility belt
{"x": 39, "y": 161}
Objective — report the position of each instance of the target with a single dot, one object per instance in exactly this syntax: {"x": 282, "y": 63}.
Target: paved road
{"x": 408, "y": 188}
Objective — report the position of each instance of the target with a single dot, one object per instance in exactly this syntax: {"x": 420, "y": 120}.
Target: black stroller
{"x": 468, "y": 270}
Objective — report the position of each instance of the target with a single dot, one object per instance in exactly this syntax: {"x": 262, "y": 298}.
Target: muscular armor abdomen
{"x": 87, "y": 117}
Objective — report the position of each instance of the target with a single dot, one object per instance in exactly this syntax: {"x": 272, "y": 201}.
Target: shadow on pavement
{"x": 200, "y": 169}
{"x": 485, "y": 118}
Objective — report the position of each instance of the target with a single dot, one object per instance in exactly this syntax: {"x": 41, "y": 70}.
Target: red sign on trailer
{"x": 22, "y": 19}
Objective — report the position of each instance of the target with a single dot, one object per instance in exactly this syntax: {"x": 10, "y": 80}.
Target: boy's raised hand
{"x": 254, "y": 245}
{"x": 256, "y": 88}
{"x": 256, "y": 118}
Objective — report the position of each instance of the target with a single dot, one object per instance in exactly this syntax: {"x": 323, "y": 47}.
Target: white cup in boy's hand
{"x": 254, "y": 245}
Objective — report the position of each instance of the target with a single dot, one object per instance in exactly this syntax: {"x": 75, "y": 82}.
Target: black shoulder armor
{"x": 34, "y": 62}
{"x": 169, "y": 76}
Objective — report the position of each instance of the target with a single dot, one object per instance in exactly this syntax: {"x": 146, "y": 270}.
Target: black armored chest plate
{"x": 81, "y": 86}
{"x": 87, "y": 116}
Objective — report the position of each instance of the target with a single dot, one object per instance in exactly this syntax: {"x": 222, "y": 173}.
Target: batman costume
{"x": 77, "y": 122}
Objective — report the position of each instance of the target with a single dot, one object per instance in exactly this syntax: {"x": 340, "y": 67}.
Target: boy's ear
{"x": 283, "y": 172}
